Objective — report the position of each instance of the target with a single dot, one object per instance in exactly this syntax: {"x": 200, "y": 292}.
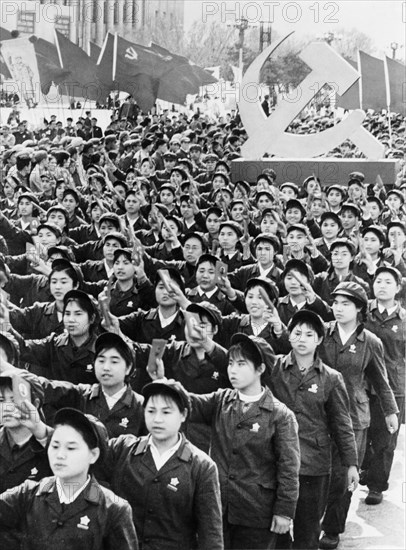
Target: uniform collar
{"x": 91, "y": 493}
{"x": 266, "y": 401}
{"x": 290, "y": 361}
{"x": 184, "y": 452}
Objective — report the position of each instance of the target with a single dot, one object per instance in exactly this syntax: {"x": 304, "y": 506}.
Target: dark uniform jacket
{"x": 56, "y": 357}
{"x": 25, "y": 290}
{"x": 84, "y": 233}
{"x": 218, "y": 299}
{"x": 241, "y": 276}
{"x": 286, "y": 309}
{"x": 392, "y": 332}
{"x": 37, "y": 321}
{"x": 242, "y": 323}
{"x": 18, "y": 463}
{"x": 144, "y": 326}
{"x": 321, "y": 405}
{"x": 361, "y": 362}
{"x": 325, "y": 283}
{"x": 96, "y": 519}
{"x": 126, "y": 417}
{"x": 257, "y": 454}
{"x": 171, "y": 505}
{"x": 92, "y": 250}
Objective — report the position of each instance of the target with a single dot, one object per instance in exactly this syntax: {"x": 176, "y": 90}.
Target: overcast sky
{"x": 384, "y": 20}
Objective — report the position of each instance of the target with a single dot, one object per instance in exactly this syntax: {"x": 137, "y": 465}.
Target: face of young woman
{"x": 228, "y": 238}
{"x": 52, "y": 164}
{"x": 264, "y": 202}
{"x": 192, "y": 250}
{"x": 254, "y": 303}
{"x": 348, "y": 219}
{"x": 124, "y": 269}
{"x": 394, "y": 202}
{"x": 313, "y": 186}
{"x": 111, "y": 369}
{"x": 176, "y": 178}
{"x": 269, "y": 225}
{"x": 163, "y": 297}
{"x": 304, "y": 340}
{"x": 106, "y": 227}
{"x": 69, "y": 203}
{"x": 96, "y": 214}
{"x": 206, "y": 276}
{"x": 69, "y": 455}
{"x": 396, "y": 237}
{"x": 166, "y": 234}
{"x": 385, "y": 287}
{"x": 47, "y": 238}
{"x": 264, "y": 253}
{"x": 293, "y": 215}
{"x": 344, "y": 310}
{"x": 341, "y": 257}
{"x": 213, "y": 224}
{"x": 218, "y": 183}
{"x": 9, "y": 190}
{"x": 163, "y": 419}
{"x": 374, "y": 210}
{"x": 8, "y": 409}
{"x": 25, "y": 207}
{"x": 237, "y": 212}
{"x": 243, "y": 375}
{"x": 372, "y": 243}
{"x": 60, "y": 190}
{"x": 109, "y": 247}
{"x": 334, "y": 198}
{"x": 132, "y": 204}
{"x": 76, "y": 320}
{"x": 60, "y": 283}
{"x": 167, "y": 197}
{"x": 58, "y": 219}
{"x": 292, "y": 285}
{"x": 329, "y": 229}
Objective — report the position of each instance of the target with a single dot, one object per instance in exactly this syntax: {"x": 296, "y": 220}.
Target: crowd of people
{"x": 188, "y": 361}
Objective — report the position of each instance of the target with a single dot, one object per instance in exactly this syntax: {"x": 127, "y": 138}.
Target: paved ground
{"x": 382, "y": 526}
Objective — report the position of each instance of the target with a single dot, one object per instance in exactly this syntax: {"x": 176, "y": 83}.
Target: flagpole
{"x": 388, "y": 97}
{"x": 114, "y": 67}
{"x": 360, "y": 80}
{"x": 58, "y": 49}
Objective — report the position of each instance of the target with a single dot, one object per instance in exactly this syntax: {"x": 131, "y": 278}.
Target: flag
{"x": 94, "y": 51}
{"x": 179, "y": 79}
{"x": 49, "y": 67}
{"x": 131, "y": 68}
{"x": 373, "y": 88}
{"x": 214, "y": 71}
{"x": 351, "y": 98}
{"x": 396, "y": 73}
{"x": 83, "y": 79}
{"x": 4, "y": 72}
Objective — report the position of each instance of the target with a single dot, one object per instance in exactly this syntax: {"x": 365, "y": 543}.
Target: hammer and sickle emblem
{"x": 130, "y": 53}
{"x": 267, "y": 135}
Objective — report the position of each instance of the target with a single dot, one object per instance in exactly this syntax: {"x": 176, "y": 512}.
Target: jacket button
{"x": 150, "y": 510}
{"x": 156, "y": 480}
{"x": 300, "y": 387}
{"x": 59, "y": 523}
{"x": 239, "y": 426}
{"x": 231, "y": 477}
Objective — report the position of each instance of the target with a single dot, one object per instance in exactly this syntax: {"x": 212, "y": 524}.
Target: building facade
{"x": 88, "y": 20}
